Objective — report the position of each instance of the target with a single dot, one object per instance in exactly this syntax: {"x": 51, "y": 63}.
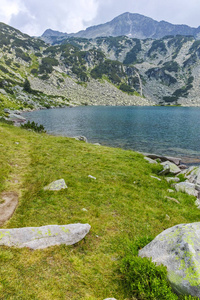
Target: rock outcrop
{"x": 43, "y": 237}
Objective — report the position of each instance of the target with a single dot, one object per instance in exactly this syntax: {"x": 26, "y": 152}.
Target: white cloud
{"x": 67, "y": 16}
{"x": 8, "y": 8}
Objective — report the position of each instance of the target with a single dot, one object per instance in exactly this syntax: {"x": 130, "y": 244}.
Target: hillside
{"x": 34, "y": 75}
{"x": 125, "y": 207}
{"x": 164, "y": 71}
{"x": 128, "y": 24}
{"x": 100, "y": 71}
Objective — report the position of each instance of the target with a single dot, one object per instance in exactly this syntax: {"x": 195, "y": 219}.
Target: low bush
{"x": 143, "y": 279}
{"x": 33, "y": 126}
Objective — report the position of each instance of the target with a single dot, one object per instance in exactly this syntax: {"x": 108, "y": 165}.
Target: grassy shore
{"x": 123, "y": 204}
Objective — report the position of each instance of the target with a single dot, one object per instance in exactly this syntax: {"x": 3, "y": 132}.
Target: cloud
{"x": 35, "y": 16}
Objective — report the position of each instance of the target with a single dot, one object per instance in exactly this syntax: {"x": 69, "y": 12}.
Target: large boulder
{"x": 169, "y": 167}
{"x": 174, "y": 160}
{"x": 193, "y": 175}
{"x": 43, "y": 237}
{"x": 16, "y": 118}
{"x": 186, "y": 187}
{"x": 178, "y": 248}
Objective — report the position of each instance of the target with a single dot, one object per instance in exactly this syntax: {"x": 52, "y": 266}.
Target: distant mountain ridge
{"x": 128, "y": 24}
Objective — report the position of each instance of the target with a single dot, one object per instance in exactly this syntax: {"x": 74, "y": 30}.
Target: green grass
{"x": 123, "y": 204}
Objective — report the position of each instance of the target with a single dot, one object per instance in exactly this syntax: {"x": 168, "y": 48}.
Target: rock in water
{"x": 56, "y": 185}
{"x": 178, "y": 248}
{"x": 43, "y": 237}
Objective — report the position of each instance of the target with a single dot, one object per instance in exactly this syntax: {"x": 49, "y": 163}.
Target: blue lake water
{"x": 173, "y": 131}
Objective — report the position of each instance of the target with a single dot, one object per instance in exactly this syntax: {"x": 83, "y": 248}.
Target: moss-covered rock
{"x": 178, "y": 248}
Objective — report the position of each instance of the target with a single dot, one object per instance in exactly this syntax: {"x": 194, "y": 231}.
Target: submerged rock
{"x": 43, "y": 237}
{"x": 178, "y": 248}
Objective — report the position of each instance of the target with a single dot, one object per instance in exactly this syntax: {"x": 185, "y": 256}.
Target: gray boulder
{"x": 81, "y": 138}
{"x": 193, "y": 175}
{"x": 174, "y": 160}
{"x": 169, "y": 167}
{"x": 150, "y": 160}
{"x": 186, "y": 187}
{"x": 172, "y": 179}
{"x": 56, "y": 185}
{"x": 16, "y": 118}
{"x": 43, "y": 237}
{"x": 178, "y": 248}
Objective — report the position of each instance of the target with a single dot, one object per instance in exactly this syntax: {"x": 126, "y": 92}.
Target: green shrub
{"x": 33, "y": 126}
{"x": 131, "y": 56}
{"x": 27, "y": 86}
{"x": 47, "y": 65}
{"x": 21, "y": 54}
{"x": 144, "y": 280}
{"x": 157, "y": 46}
{"x": 126, "y": 88}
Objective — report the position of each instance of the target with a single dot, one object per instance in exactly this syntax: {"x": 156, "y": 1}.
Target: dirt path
{"x": 8, "y": 204}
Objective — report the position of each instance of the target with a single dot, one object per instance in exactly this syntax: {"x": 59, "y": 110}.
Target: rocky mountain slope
{"x": 128, "y": 24}
{"x": 164, "y": 71}
{"x": 100, "y": 71}
{"x": 33, "y": 75}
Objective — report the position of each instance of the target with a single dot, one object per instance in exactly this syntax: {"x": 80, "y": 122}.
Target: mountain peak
{"x": 133, "y": 25}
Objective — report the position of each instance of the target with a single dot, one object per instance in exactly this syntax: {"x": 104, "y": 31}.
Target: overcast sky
{"x": 35, "y": 16}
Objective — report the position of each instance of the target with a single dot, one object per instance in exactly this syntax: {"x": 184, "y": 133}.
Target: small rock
{"x": 81, "y": 138}
{"x": 84, "y": 209}
{"x": 169, "y": 179}
{"x": 170, "y": 191}
{"x": 183, "y": 167}
{"x": 197, "y": 203}
{"x": 17, "y": 143}
{"x": 56, "y": 185}
{"x": 90, "y": 176}
{"x": 151, "y": 161}
{"x": 156, "y": 178}
{"x": 167, "y": 217}
{"x": 172, "y": 199}
{"x": 110, "y": 299}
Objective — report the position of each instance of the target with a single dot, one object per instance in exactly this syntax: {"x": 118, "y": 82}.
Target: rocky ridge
{"x": 132, "y": 25}
{"x": 101, "y": 71}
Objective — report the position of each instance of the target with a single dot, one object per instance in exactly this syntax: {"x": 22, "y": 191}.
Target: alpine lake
{"x": 171, "y": 131}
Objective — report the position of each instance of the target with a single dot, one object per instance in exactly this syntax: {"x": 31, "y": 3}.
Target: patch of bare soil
{"x": 8, "y": 204}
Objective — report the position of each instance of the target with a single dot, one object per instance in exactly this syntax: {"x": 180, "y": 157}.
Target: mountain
{"x": 100, "y": 71}
{"x": 127, "y": 24}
